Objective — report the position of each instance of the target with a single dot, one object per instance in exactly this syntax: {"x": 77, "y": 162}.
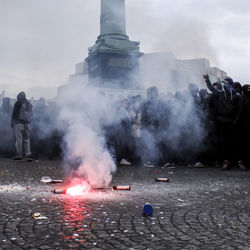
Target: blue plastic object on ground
{"x": 148, "y": 209}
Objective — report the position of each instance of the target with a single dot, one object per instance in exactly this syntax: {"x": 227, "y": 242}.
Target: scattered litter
{"x": 47, "y": 179}
{"x": 148, "y": 209}
{"x": 125, "y": 231}
{"x": 121, "y": 188}
{"x": 162, "y": 179}
{"x": 39, "y": 216}
{"x": 112, "y": 235}
{"x": 42, "y": 218}
{"x": 59, "y": 191}
{"x": 76, "y": 235}
{"x": 57, "y": 181}
{"x": 125, "y": 162}
{"x": 35, "y": 215}
{"x": 180, "y": 200}
{"x": 152, "y": 235}
{"x": 94, "y": 243}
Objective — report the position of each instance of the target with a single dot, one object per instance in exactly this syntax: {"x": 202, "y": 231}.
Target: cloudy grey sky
{"x": 42, "y": 40}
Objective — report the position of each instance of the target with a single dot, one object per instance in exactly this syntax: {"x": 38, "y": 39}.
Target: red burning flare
{"x": 77, "y": 187}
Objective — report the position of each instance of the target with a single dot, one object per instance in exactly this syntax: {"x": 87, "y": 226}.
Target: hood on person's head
{"x": 193, "y": 89}
{"x": 218, "y": 85}
{"x": 228, "y": 84}
{"x": 228, "y": 80}
{"x": 152, "y": 93}
{"x": 238, "y": 87}
{"x": 203, "y": 93}
{"x": 21, "y": 96}
{"x": 246, "y": 90}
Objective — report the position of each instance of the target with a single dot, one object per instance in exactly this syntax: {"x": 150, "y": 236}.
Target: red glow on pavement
{"x": 73, "y": 217}
{"x": 78, "y": 189}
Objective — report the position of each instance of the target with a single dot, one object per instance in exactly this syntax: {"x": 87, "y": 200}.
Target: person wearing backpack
{"x": 228, "y": 112}
{"x": 20, "y": 122}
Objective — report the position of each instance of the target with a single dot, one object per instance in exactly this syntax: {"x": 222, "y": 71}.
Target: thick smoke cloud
{"x": 83, "y": 114}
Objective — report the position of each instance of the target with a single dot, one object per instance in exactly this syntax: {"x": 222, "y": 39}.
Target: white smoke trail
{"x": 85, "y": 112}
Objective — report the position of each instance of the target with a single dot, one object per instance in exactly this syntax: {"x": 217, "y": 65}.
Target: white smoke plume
{"x": 83, "y": 113}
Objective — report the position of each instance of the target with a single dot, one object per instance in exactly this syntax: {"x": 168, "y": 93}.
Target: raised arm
{"x": 210, "y": 86}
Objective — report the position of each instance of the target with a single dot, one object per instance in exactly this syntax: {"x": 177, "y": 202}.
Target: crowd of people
{"x": 194, "y": 127}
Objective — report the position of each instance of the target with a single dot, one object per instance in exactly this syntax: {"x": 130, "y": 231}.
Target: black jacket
{"x": 229, "y": 104}
{"x": 16, "y": 114}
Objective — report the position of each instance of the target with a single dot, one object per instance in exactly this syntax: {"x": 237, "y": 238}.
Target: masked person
{"x": 20, "y": 122}
{"x": 229, "y": 108}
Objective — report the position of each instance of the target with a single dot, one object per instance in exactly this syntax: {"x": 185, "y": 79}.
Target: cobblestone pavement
{"x": 199, "y": 208}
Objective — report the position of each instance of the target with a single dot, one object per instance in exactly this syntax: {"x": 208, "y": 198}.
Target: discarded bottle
{"x": 162, "y": 179}
{"x": 148, "y": 209}
{"x": 121, "y": 187}
{"x": 59, "y": 191}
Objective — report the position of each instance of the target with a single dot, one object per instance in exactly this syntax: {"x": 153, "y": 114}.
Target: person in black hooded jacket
{"x": 228, "y": 112}
{"x": 20, "y": 122}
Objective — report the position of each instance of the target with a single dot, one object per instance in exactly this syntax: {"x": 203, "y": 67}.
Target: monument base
{"x": 120, "y": 69}
{"x": 114, "y": 58}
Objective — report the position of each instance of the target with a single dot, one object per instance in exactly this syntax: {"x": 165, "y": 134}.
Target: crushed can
{"x": 59, "y": 191}
{"x": 148, "y": 209}
{"x": 162, "y": 179}
{"x": 121, "y": 187}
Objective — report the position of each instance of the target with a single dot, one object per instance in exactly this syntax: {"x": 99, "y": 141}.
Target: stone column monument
{"x": 113, "y": 18}
{"x": 114, "y": 60}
